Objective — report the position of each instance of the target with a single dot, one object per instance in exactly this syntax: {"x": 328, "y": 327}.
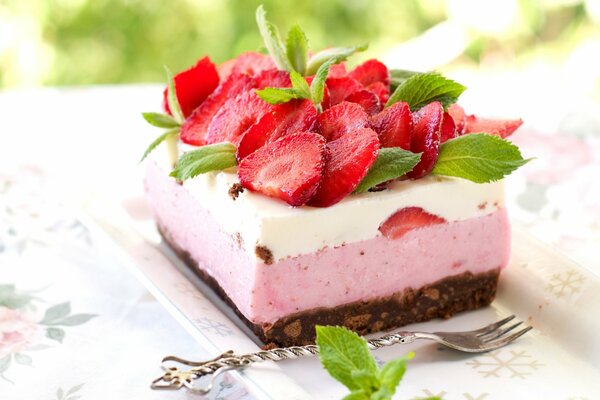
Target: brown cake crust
{"x": 441, "y": 299}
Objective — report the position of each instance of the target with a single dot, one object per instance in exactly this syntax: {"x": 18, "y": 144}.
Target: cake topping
{"x": 302, "y": 129}
{"x": 407, "y": 219}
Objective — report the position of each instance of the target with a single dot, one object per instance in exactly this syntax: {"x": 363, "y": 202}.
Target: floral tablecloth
{"x": 74, "y": 324}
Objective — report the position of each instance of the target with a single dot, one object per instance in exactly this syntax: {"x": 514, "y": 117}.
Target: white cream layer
{"x": 263, "y": 221}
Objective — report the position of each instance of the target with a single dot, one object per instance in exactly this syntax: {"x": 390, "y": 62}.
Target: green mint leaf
{"x": 424, "y": 88}
{"x": 382, "y": 394}
{"x": 317, "y": 86}
{"x": 478, "y": 157}
{"x": 338, "y": 53}
{"x": 160, "y": 120}
{"x": 357, "y": 395}
{"x": 367, "y": 380}
{"x": 270, "y": 35}
{"x": 342, "y": 351}
{"x": 300, "y": 84}
{"x": 391, "y": 163}
{"x": 397, "y": 76}
{"x": 172, "y": 97}
{"x": 159, "y": 140}
{"x": 278, "y": 95}
{"x": 296, "y": 47}
{"x": 214, "y": 157}
{"x": 392, "y": 372}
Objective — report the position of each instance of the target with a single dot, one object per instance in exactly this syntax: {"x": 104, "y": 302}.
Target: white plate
{"x": 559, "y": 359}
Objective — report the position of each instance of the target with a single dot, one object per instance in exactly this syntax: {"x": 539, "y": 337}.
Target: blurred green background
{"x": 79, "y": 42}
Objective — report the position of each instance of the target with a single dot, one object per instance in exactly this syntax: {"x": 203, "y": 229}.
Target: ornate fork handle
{"x": 174, "y": 378}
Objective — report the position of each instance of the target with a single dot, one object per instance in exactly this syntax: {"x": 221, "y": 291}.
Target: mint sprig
{"x": 160, "y": 120}
{"x": 347, "y": 358}
{"x": 214, "y": 157}
{"x": 423, "y": 88}
{"x": 478, "y": 157}
{"x": 272, "y": 40}
{"x": 391, "y": 163}
{"x": 170, "y": 134}
{"x": 337, "y": 53}
{"x": 296, "y": 48}
{"x": 398, "y": 76}
{"x": 172, "y": 98}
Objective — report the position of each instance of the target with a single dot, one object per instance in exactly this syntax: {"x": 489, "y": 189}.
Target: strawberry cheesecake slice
{"x": 305, "y": 195}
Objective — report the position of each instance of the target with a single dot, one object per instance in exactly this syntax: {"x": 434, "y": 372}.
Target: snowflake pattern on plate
{"x": 211, "y": 326}
{"x": 565, "y": 284}
{"x": 502, "y": 363}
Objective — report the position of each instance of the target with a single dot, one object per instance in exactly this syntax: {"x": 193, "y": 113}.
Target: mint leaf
{"x": 424, "y": 88}
{"x": 296, "y": 48}
{"x": 317, "y": 86}
{"x": 300, "y": 85}
{"x": 172, "y": 97}
{"x": 160, "y": 120}
{"x": 392, "y": 372}
{"x": 343, "y": 351}
{"x": 278, "y": 95}
{"x": 270, "y": 35}
{"x": 214, "y": 157}
{"x": 357, "y": 395}
{"x": 338, "y": 53}
{"x": 478, "y": 157}
{"x": 159, "y": 140}
{"x": 397, "y": 76}
{"x": 391, "y": 163}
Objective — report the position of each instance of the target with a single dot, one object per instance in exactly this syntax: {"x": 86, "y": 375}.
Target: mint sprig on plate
{"x": 421, "y": 89}
{"x": 478, "y": 157}
{"x": 346, "y": 357}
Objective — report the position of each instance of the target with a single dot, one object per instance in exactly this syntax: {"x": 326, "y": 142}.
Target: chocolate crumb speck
{"x": 482, "y": 206}
{"x": 362, "y": 253}
{"x": 264, "y": 254}
{"x": 235, "y": 190}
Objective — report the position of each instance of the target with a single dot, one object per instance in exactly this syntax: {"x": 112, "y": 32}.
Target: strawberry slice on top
{"x": 368, "y": 100}
{"x": 381, "y": 90}
{"x": 273, "y": 78}
{"x": 340, "y": 88}
{"x": 407, "y": 219}
{"x": 371, "y": 71}
{"x": 235, "y": 117}
{"x": 289, "y": 169}
{"x": 341, "y": 119}
{"x": 498, "y": 127}
{"x": 195, "y": 127}
{"x": 193, "y": 86}
{"x": 458, "y": 116}
{"x": 427, "y": 124}
{"x": 347, "y": 161}
{"x": 250, "y": 63}
{"x": 448, "y": 130}
{"x": 293, "y": 116}
{"x": 394, "y": 126}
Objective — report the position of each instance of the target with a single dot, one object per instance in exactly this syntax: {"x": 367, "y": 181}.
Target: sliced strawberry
{"x": 341, "y": 119}
{"x": 340, "y": 88}
{"x": 367, "y": 100}
{"x": 337, "y": 70}
{"x": 193, "y": 85}
{"x": 407, "y": 219}
{"x": 371, "y": 71}
{"x": 427, "y": 123}
{"x": 235, "y": 117}
{"x": 394, "y": 126}
{"x": 498, "y": 127}
{"x": 289, "y": 169}
{"x": 448, "y": 130}
{"x": 459, "y": 117}
{"x": 250, "y": 63}
{"x": 273, "y": 78}
{"x": 195, "y": 127}
{"x": 348, "y": 160}
{"x": 291, "y": 117}
{"x": 225, "y": 69}
{"x": 381, "y": 90}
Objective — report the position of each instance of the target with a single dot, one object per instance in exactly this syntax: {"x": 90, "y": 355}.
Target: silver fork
{"x": 488, "y": 338}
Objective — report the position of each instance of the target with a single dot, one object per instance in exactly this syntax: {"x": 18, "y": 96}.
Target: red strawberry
{"x": 394, "y": 126}
{"x": 289, "y": 169}
{"x": 250, "y": 63}
{"x": 195, "y": 127}
{"x": 371, "y": 71}
{"x": 337, "y": 70}
{"x": 341, "y": 119}
{"x": 448, "y": 130}
{"x": 291, "y": 117}
{"x": 367, "y": 100}
{"x": 235, "y": 117}
{"x": 381, "y": 90}
{"x": 348, "y": 160}
{"x": 340, "y": 88}
{"x": 193, "y": 85}
{"x": 458, "y": 115}
{"x": 427, "y": 123}
{"x": 273, "y": 78}
{"x": 498, "y": 127}
{"x": 407, "y": 219}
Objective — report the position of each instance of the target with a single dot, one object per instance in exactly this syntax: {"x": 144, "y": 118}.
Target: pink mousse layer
{"x": 332, "y": 276}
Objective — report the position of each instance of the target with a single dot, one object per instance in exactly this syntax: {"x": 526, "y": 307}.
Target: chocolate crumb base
{"x": 264, "y": 254}
{"x": 235, "y": 190}
{"x": 441, "y": 299}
